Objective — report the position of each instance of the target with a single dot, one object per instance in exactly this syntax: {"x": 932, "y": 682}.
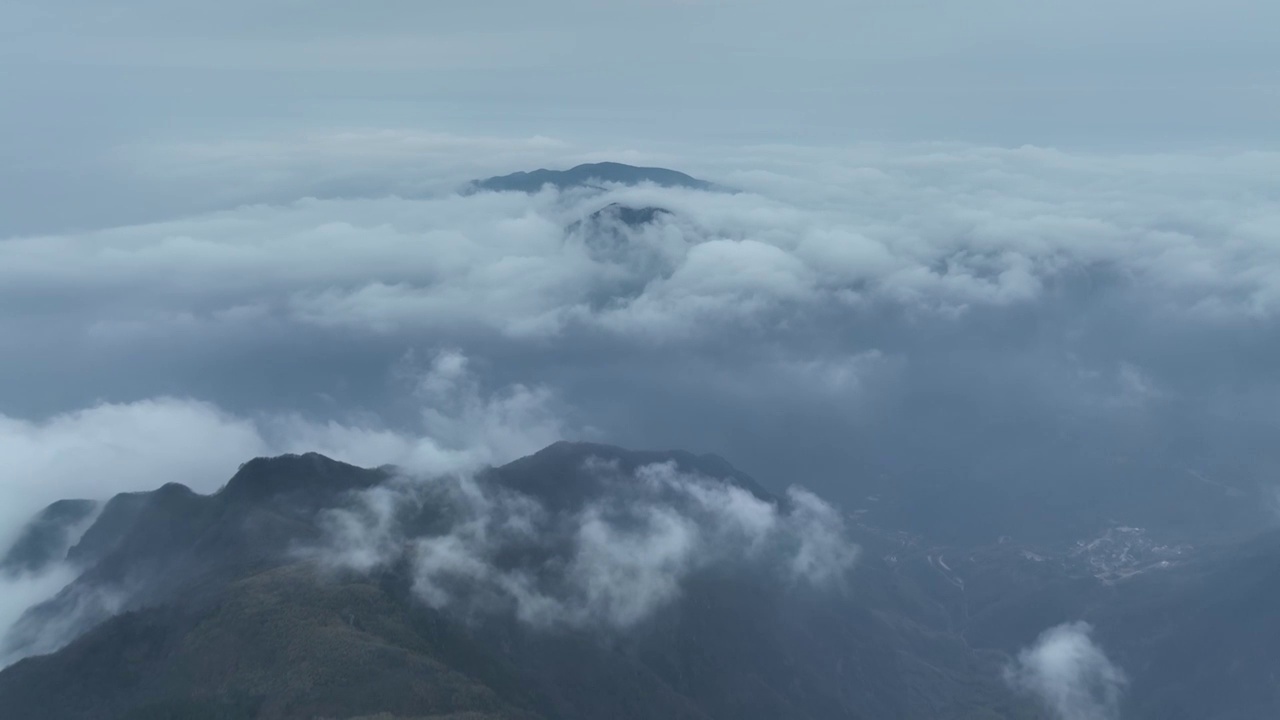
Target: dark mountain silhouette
{"x": 558, "y": 476}
{"x": 217, "y": 615}
{"x": 210, "y": 606}
{"x": 589, "y": 175}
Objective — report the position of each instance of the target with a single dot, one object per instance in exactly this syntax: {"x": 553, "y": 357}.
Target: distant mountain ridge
{"x": 589, "y": 175}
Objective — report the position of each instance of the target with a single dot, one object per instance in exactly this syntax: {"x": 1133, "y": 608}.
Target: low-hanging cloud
{"x": 20, "y": 593}
{"x": 612, "y": 561}
{"x": 25, "y": 583}
{"x": 81, "y": 607}
{"x": 109, "y": 448}
{"x": 1070, "y": 674}
{"x": 131, "y": 447}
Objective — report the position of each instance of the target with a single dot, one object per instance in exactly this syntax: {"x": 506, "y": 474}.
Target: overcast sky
{"x": 996, "y": 239}
{"x": 86, "y": 82}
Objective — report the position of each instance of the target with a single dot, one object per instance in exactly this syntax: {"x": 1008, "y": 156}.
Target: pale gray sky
{"x": 82, "y": 78}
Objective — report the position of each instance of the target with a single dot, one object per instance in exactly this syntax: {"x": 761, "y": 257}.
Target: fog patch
{"x": 22, "y": 592}
{"x": 110, "y": 448}
{"x": 1069, "y": 674}
{"x": 40, "y": 629}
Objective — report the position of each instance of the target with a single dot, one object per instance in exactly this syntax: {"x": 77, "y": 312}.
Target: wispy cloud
{"x": 619, "y": 555}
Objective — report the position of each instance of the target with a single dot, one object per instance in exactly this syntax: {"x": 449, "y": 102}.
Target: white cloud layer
{"x": 940, "y": 228}
{"x": 835, "y": 278}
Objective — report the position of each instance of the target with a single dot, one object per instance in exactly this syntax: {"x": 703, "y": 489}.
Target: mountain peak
{"x": 285, "y": 474}
{"x": 628, "y": 215}
{"x": 560, "y": 476}
{"x": 589, "y": 175}
{"x": 46, "y": 538}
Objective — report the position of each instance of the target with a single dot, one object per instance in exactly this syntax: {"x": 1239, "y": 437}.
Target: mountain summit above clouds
{"x": 590, "y": 175}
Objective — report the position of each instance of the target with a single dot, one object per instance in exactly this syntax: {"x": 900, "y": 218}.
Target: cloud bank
{"x": 940, "y": 229}
{"x": 846, "y": 316}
